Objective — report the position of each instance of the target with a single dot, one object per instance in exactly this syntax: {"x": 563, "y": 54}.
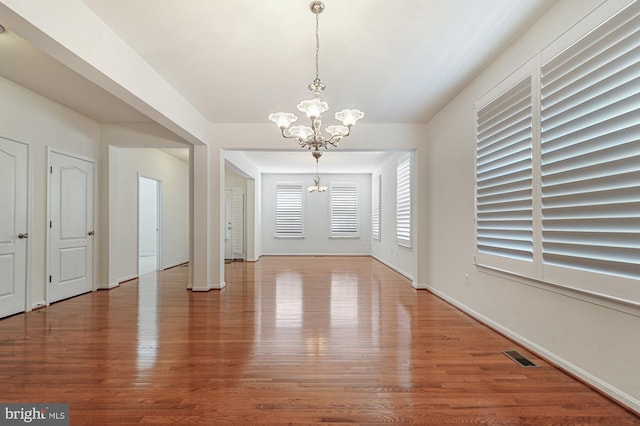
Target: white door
{"x": 13, "y": 227}
{"x": 237, "y": 224}
{"x": 234, "y": 223}
{"x": 228, "y": 227}
{"x": 71, "y": 227}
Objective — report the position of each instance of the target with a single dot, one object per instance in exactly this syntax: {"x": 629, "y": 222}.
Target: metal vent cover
{"x": 519, "y": 358}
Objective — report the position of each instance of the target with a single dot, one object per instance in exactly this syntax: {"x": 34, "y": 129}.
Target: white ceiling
{"x": 237, "y": 61}
{"x": 28, "y": 66}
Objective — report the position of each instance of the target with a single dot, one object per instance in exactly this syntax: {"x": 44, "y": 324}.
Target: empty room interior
{"x": 446, "y": 229}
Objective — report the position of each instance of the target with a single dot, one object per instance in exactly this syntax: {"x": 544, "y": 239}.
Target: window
{"x": 403, "y": 202}
{"x": 375, "y": 207}
{"x": 558, "y": 163}
{"x": 289, "y": 210}
{"x": 344, "y": 210}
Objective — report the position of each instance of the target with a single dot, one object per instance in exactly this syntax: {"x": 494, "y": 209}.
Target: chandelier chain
{"x": 317, "y": 46}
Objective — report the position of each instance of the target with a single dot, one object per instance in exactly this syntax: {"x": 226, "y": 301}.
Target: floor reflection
{"x": 344, "y": 299}
{"x": 147, "y": 344}
{"x": 288, "y": 300}
{"x": 321, "y": 313}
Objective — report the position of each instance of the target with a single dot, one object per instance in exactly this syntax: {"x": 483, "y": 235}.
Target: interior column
{"x": 199, "y": 224}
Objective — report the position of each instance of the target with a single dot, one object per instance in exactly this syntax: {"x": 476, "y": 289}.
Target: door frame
{"x": 158, "y": 222}
{"x": 95, "y": 241}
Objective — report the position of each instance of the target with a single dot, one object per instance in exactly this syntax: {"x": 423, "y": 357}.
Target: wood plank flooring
{"x": 290, "y": 340}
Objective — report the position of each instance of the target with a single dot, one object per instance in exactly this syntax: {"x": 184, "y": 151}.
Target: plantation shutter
{"x": 375, "y": 208}
{"x": 591, "y": 151}
{"x": 344, "y": 210}
{"x": 403, "y": 202}
{"x": 289, "y": 210}
{"x": 504, "y": 181}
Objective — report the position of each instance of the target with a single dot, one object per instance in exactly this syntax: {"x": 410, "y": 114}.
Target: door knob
{"x": 23, "y": 236}
{"x": 92, "y": 233}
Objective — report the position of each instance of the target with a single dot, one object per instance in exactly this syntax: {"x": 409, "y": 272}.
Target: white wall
{"x": 593, "y": 339}
{"x": 233, "y": 179}
{"x": 43, "y": 124}
{"x": 387, "y": 249}
{"x": 316, "y": 217}
{"x": 126, "y": 164}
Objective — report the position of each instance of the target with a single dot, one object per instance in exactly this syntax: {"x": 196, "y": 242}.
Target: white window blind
{"x": 375, "y": 207}
{"x": 558, "y": 171}
{"x": 590, "y": 115}
{"x": 344, "y": 210}
{"x": 403, "y": 202}
{"x": 289, "y": 210}
{"x": 504, "y": 186}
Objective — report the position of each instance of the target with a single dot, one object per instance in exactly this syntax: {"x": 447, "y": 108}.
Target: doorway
{"x": 234, "y": 238}
{"x": 149, "y": 223}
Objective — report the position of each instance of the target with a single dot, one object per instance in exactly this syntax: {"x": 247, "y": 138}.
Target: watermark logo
{"x": 34, "y": 414}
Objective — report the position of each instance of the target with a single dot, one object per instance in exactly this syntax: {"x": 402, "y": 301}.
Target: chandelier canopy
{"x": 313, "y": 137}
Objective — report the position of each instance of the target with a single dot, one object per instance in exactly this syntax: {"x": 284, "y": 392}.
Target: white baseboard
{"x": 173, "y": 265}
{"x": 200, "y": 289}
{"x": 38, "y": 305}
{"x": 599, "y": 384}
{"x": 209, "y": 287}
{"x": 395, "y": 268}
{"x": 218, "y": 286}
{"x": 419, "y": 286}
{"x": 127, "y": 278}
{"x": 316, "y": 254}
{"x": 108, "y": 286}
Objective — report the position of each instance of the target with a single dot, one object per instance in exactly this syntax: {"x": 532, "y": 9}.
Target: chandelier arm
{"x": 284, "y": 135}
{"x": 333, "y": 140}
{"x": 300, "y": 142}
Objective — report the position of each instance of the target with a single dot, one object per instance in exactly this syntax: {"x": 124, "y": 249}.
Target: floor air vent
{"x": 519, "y": 358}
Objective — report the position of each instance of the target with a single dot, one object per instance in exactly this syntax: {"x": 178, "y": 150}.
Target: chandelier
{"x": 312, "y": 137}
{"x": 316, "y": 179}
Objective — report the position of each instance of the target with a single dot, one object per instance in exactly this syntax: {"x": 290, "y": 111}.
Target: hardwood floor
{"x": 303, "y": 340}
